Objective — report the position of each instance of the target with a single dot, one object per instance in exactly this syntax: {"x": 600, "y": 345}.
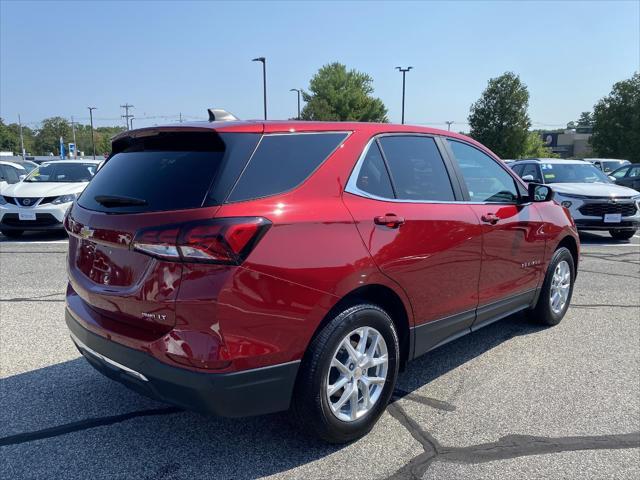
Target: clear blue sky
{"x": 169, "y": 57}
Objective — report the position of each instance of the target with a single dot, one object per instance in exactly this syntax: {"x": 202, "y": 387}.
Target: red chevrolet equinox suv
{"x": 242, "y": 268}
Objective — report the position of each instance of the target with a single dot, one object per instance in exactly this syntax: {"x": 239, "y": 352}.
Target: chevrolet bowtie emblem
{"x": 86, "y": 232}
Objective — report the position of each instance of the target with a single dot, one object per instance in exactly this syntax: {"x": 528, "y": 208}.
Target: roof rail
{"x": 220, "y": 115}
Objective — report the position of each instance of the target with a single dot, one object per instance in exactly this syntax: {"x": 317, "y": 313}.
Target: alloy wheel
{"x": 560, "y": 286}
{"x": 357, "y": 374}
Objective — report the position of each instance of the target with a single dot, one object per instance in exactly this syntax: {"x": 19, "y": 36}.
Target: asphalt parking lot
{"x": 511, "y": 401}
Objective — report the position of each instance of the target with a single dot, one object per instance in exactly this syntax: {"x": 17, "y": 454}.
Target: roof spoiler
{"x": 220, "y": 115}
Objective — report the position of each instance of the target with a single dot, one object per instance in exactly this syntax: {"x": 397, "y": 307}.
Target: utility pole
{"x": 21, "y": 138}
{"x": 297, "y": 90}
{"x": 126, "y": 115}
{"x": 449, "y": 123}
{"x": 404, "y": 71}
{"x": 75, "y": 145}
{"x": 180, "y": 117}
{"x": 264, "y": 81}
{"x": 93, "y": 142}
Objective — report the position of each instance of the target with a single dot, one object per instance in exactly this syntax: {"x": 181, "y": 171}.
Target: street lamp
{"x": 297, "y": 90}
{"x": 449, "y": 123}
{"x": 264, "y": 81}
{"x": 404, "y": 72}
{"x": 93, "y": 142}
{"x": 131, "y": 122}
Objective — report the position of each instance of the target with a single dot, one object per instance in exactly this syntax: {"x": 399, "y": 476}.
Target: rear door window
{"x": 417, "y": 169}
{"x": 373, "y": 177}
{"x": 282, "y": 162}
{"x": 171, "y": 171}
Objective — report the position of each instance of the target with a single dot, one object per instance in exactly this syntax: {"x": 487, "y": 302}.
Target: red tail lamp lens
{"x": 224, "y": 240}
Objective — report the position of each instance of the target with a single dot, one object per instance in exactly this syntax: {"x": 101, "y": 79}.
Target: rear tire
{"x": 622, "y": 234}
{"x": 557, "y": 289}
{"x": 328, "y": 364}
{"x": 12, "y": 233}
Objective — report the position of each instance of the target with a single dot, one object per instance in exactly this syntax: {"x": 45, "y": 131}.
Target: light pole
{"x": 297, "y": 90}
{"x": 449, "y": 123}
{"x": 404, "y": 72}
{"x": 264, "y": 81}
{"x": 93, "y": 142}
{"x": 131, "y": 121}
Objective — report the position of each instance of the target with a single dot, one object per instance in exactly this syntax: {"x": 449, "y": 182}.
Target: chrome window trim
{"x": 352, "y": 186}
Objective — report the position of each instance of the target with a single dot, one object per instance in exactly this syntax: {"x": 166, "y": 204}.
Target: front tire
{"x": 347, "y": 375}
{"x": 557, "y": 289}
{"x": 12, "y": 233}
{"x": 622, "y": 234}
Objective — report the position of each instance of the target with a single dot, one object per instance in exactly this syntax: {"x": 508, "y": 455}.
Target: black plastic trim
{"x": 495, "y": 311}
{"x": 433, "y": 334}
{"x": 238, "y": 394}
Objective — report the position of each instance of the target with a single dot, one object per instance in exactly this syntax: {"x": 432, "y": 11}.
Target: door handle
{"x": 491, "y": 218}
{"x": 389, "y": 220}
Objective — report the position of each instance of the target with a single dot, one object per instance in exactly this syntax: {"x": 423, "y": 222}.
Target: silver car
{"x": 595, "y": 202}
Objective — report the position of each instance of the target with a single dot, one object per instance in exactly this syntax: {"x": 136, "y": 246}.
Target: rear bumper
{"x": 249, "y": 392}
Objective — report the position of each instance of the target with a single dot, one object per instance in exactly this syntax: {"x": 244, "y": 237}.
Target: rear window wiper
{"x": 118, "y": 201}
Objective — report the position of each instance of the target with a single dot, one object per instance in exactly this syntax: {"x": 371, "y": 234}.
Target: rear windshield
{"x": 169, "y": 172}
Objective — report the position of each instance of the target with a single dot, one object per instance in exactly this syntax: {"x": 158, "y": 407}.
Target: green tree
{"x": 585, "y": 120}
{"x": 103, "y": 139}
{"x": 499, "y": 118}
{"x": 9, "y": 141}
{"x": 338, "y": 94}
{"x": 48, "y": 135}
{"x": 616, "y": 121}
{"x": 535, "y": 147}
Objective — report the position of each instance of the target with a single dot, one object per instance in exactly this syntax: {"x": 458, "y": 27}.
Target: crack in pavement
{"x": 599, "y": 305}
{"x": 607, "y": 273}
{"x": 83, "y": 425}
{"x": 428, "y": 401}
{"x": 35, "y": 299}
{"x": 507, "y": 447}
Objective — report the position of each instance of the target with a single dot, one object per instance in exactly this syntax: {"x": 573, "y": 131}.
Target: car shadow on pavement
{"x": 71, "y": 413}
{"x": 602, "y": 238}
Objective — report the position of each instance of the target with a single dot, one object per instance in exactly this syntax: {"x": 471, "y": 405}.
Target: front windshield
{"x": 572, "y": 173}
{"x": 63, "y": 173}
{"x": 611, "y": 165}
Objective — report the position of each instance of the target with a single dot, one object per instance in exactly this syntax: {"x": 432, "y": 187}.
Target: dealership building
{"x": 570, "y": 143}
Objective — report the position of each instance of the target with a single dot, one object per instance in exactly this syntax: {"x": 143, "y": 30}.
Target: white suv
{"x": 594, "y": 201}
{"x": 40, "y": 201}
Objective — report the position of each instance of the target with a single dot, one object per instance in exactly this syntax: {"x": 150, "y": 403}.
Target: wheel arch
{"x": 381, "y": 296}
{"x": 571, "y": 244}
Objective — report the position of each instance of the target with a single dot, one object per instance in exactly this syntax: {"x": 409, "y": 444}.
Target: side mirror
{"x": 540, "y": 193}
{"x": 528, "y": 178}
{"x": 22, "y": 177}
{"x": 612, "y": 178}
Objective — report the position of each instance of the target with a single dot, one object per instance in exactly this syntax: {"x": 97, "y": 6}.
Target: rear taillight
{"x": 220, "y": 240}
